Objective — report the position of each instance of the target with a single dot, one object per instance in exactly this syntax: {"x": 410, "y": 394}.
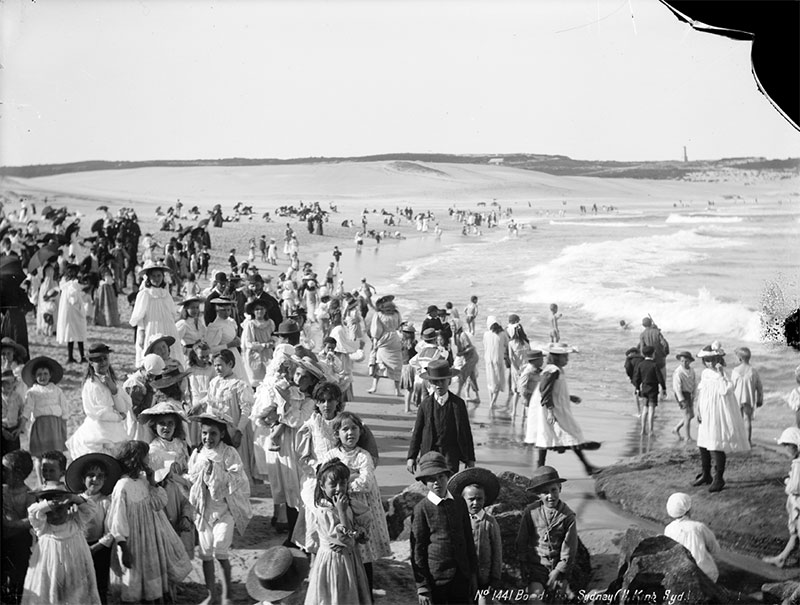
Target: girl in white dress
{"x": 71, "y": 324}
{"x": 154, "y": 311}
{"x": 221, "y": 335}
{"x": 106, "y": 405}
{"x": 495, "y": 348}
{"x": 191, "y": 326}
{"x": 257, "y": 341}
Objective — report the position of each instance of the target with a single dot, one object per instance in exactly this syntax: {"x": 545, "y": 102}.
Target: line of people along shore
{"x": 242, "y": 395}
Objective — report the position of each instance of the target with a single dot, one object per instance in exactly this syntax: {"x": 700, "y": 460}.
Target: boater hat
{"x": 221, "y": 301}
{"x": 167, "y": 380}
{"x": 29, "y": 371}
{"x": 482, "y": 476}
{"x": 8, "y": 376}
{"x": 190, "y": 300}
{"x": 437, "y": 370}
{"x": 533, "y": 354}
{"x": 155, "y": 339}
{"x": 162, "y": 408}
{"x": 685, "y": 354}
{"x": 713, "y": 350}
{"x": 75, "y": 471}
{"x": 430, "y": 465}
{"x": 544, "y": 475}
{"x": 277, "y": 573}
{"x": 429, "y": 334}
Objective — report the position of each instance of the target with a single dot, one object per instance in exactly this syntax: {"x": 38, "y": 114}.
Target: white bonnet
{"x": 153, "y": 364}
{"x": 790, "y": 435}
{"x": 490, "y": 320}
{"x": 679, "y": 504}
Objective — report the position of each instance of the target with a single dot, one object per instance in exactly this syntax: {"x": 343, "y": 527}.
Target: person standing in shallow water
{"x": 551, "y": 425}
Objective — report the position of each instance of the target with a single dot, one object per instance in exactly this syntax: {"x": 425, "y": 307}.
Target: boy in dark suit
{"x": 647, "y": 378}
{"x": 443, "y": 555}
{"x": 442, "y": 423}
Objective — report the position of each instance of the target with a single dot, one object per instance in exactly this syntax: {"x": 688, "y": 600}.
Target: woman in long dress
{"x": 154, "y": 312}
{"x": 551, "y": 425}
{"x": 257, "y": 341}
{"x": 71, "y": 326}
{"x": 720, "y": 426}
{"x": 518, "y": 345}
{"x": 221, "y": 334}
{"x": 386, "y": 357}
{"x": 44, "y": 301}
{"x": 495, "y": 349}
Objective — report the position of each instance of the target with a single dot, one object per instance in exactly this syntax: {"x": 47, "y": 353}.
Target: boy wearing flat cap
{"x": 548, "y": 536}
{"x": 442, "y": 423}
{"x": 443, "y": 555}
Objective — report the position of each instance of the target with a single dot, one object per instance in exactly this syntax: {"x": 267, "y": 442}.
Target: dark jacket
{"x": 647, "y": 377}
{"x": 456, "y": 438}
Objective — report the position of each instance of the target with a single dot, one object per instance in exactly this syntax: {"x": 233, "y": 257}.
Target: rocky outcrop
{"x": 399, "y": 507}
{"x": 658, "y": 569}
{"x": 787, "y": 593}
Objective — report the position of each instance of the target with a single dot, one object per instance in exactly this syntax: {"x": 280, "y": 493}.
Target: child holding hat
{"x": 547, "y": 541}
{"x": 695, "y": 536}
{"x": 443, "y": 555}
{"x": 479, "y": 488}
{"x": 790, "y": 440}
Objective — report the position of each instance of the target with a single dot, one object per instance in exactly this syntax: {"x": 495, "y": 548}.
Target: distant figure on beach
{"x": 652, "y": 336}
{"x": 790, "y": 440}
{"x": 747, "y": 388}
{"x": 555, "y": 333}
{"x": 693, "y": 535}
{"x": 624, "y": 325}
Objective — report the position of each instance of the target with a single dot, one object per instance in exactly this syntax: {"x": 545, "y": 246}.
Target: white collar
{"x": 479, "y": 515}
{"x": 437, "y": 500}
{"x": 443, "y": 400}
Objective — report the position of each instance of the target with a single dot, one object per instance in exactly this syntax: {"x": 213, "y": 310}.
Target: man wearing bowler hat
{"x": 442, "y": 423}
{"x": 255, "y": 284}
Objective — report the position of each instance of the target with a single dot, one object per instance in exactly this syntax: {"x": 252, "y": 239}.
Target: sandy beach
{"x": 401, "y": 266}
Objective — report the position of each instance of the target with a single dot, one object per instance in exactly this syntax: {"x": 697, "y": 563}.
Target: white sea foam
{"x": 617, "y": 279}
{"x": 702, "y": 218}
{"x": 593, "y": 224}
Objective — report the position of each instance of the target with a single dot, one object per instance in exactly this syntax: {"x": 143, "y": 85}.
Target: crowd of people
{"x": 246, "y": 382}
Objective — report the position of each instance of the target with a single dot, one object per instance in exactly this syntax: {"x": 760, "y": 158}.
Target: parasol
{"x": 41, "y": 257}
{"x": 45, "y": 211}
{"x": 185, "y": 231}
{"x": 10, "y": 266}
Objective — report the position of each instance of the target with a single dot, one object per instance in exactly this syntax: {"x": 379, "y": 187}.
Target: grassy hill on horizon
{"x": 550, "y": 164}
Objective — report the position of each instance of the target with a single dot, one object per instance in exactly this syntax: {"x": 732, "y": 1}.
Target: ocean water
{"x": 702, "y": 276}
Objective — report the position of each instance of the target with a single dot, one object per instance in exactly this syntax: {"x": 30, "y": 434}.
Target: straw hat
{"x": 8, "y": 376}
{"x": 430, "y": 465}
{"x": 98, "y": 350}
{"x": 277, "y": 574}
{"x": 429, "y": 334}
{"x": 10, "y": 343}
{"x": 75, "y": 471}
{"x": 162, "y": 408}
{"x": 221, "y": 301}
{"x": 152, "y": 265}
{"x": 438, "y": 369}
{"x": 155, "y": 339}
{"x": 288, "y": 326}
{"x": 560, "y": 348}
{"x": 482, "y": 476}
{"x": 167, "y": 380}
{"x": 685, "y": 354}
{"x": 533, "y": 354}
{"x": 713, "y": 350}
{"x": 52, "y": 489}
{"x": 29, "y": 371}
{"x": 310, "y": 366}
{"x": 544, "y": 475}
{"x": 190, "y": 300}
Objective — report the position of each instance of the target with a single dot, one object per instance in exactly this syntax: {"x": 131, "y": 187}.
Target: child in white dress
{"x": 695, "y": 536}
{"x": 46, "y": 405}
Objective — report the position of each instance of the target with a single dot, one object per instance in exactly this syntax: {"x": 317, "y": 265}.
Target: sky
{"x": 187, "y": 79}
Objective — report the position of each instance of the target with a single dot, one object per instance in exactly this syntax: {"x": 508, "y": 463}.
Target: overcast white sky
{"x": 186, "y": 79}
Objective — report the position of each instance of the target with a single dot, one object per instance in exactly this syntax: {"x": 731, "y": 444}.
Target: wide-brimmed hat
{"x": 169, "y": 379}
{"x": 277, "y": 573}
{"x": 309, "y": 365}
{"x": 190, "y": 300}
{"x": 162, "y": 408}
{"x": 250, "y": 307}
{"x": 288, "y": 326}
{"x": 409, "y": 329}
{"x": 430, "y": 465}
{"x": 10, "y": 343}
{"x": 75, "y": 471}
{"x": 99, "y": 350}
{"x": 221, "y": 301}
{"x": 429, "y": 334}
{"x": 52, "y": 489}
{"x": 155, "y": 339}
{"x": 561, "y": 348}
{"x": 152, "y": 266}
{"x": 533, "y": 354}
{"x": 214, "y": 416}
{"x": 482, "y": 476}
{"x": 542, "y": 476}
{"x": 790, "y": 435}
{"x": 685, "y": 354}
{"x": 8, "y": 376}
{"x": 713, "y": 350}
{"x": 438, "y": 369}
{"x": 433, "y": 310}
{"x": 384, "y": 299}
{"x": 29, "y": 370}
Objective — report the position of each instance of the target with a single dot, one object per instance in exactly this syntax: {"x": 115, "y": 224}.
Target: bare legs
{"x": 648, "y": 417}
{"x": 374, "y": 386}
{"x": 685, "y": 422}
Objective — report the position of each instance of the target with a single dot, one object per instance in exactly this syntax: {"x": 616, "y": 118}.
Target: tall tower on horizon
{"x": 685, "y": 157}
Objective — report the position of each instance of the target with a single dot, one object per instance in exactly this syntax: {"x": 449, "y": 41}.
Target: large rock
{"x": 508, "y": 509}
{"x": 658, "y": 570}
{"x": 782, "y": 592}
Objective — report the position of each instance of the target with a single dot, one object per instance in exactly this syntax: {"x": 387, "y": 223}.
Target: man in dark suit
{"x": 255, "y": 284}
{"x": 218, "y": 291}
{"x": 442, "y": 422}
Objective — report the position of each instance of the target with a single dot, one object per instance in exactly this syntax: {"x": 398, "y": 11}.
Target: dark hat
{"x": 430, "y": 465}
{"x": 685, "y": 354}
{"x": 288, "y": 326}
{"x": 384, "y": 299}
{"x": 98, "y": 350}
{"x": 52, "y": 489}
{"x": 167, "y": 380}
{"x": 409, "y": 329}
{"x": 438, "y": 369}
{"x": 277, "y": 573}
{"x": 429, "y": 334}
{"x": 74, "y": 476}
{"x": 190, "y": 300}
{"x": 235, "y": 277}
{"x": 482, "y": 476}
{"x": 155, "y": 339}
{"x": 633, "y": 352}
{"x": 56, "y": 371}
{"x": 544, "y": 475}
{"x": 250, "y": 307}
{"x": 10, "y": 343}
{"x": 8, "y": 375}
{"x": 433, "y": 309}
{"x": 533, "y": 354}
{"x": 255, "y": 278}
{"x": 221, "y": 276}
{"x": 647, "y": 322}
{"x": 513, "y": 318}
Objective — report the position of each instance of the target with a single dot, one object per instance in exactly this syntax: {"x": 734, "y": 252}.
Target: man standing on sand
{"x": 651, "y": 336}
{"x": 256, "y": 291}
